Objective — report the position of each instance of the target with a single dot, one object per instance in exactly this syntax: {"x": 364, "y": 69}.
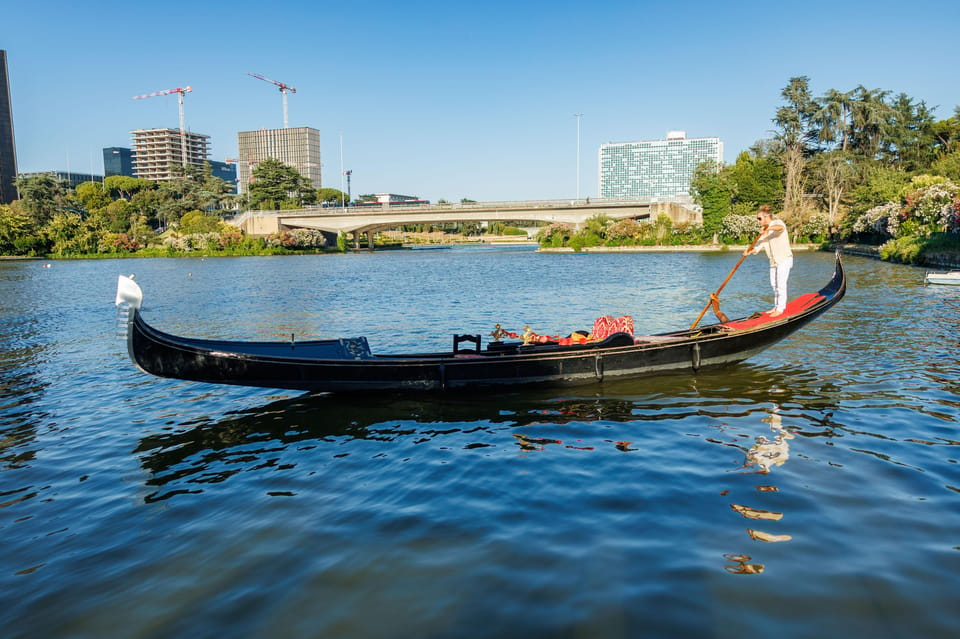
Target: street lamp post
{"x": 578, "y": 116}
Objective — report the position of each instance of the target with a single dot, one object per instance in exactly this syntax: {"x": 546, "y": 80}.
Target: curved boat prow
{"x": 128, "y": 292}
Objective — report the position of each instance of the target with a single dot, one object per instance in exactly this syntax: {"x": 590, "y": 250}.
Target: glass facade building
{"x": 117, "y": 160}
{"x": 660, "y": 169}
{"x": 8, "y": 152}
{"x": 226, "y": 172}
{"x": 297, "y": 147}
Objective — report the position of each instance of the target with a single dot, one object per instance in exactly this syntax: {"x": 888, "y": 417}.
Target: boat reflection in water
{"x": 200, "y": 450}
{"x": 763, "y": 456}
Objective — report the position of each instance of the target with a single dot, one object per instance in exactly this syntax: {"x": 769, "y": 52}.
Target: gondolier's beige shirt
{"x": 775, "y": 242}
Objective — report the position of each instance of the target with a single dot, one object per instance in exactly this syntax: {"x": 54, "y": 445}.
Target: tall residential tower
{"x": 156, "y": 152}
{"x": 8, "y": 151}
{"x": 297, "y": 147}
{"x": 661, "y": 169}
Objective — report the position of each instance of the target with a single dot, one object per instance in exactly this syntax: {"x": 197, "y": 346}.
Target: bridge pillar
{"x": 370, "y": 240}
{"x": 356, "y": 240}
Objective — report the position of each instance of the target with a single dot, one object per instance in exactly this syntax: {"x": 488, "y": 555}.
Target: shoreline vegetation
{"x": 867, "y": 170}
{"x": 944, "y": 260}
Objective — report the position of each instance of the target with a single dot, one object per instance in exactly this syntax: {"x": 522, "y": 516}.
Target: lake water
{"x": 810, "y": 491}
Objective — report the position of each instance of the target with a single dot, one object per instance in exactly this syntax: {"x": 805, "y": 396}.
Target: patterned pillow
{"x": 607, "y": 325}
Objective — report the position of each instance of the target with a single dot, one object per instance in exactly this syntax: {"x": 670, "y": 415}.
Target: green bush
{"x": 906, "y": 250}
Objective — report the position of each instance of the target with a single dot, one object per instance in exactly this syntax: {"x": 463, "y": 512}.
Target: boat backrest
{"x": 356, "y": 347}
{"x": 459, "y": 339}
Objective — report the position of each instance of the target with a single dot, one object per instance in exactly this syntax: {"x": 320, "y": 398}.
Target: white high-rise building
{"x": 157, "y": 151}
{"x": 661, "y": 169}
{"x": 298, "y": 147}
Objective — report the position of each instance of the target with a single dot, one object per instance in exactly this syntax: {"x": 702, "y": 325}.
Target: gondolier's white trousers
{"x": 779, "y": 273}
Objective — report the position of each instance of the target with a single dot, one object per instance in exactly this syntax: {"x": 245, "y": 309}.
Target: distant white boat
{"x": 951, "y": 277}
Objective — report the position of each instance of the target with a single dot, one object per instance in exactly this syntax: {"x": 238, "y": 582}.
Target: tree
{"x": 832, "y": 117}
{"x": 276, "y": 184}
{"x": 910, "y": 142}
{"x": 14, "y": 225}
{"x": 834, "y": 172}
{"x": 193, "y": 188}
{"x": 124, "y": 186}
{"x": 948, "y": 165}
{"x": 199, "y": 222}
{"x": 877, "y": 184}
{"x": 63, "y": 230}
{"x": 712, "y": 188}
{"x": 758, "y": 179}
{"x": 326, "y": 194}
{"x": 43, "y": 196}
{"x": 116, "y": 216}
{"x": 871, "y": 116}
{"x": 797, "y": 132}
{"x": 93, "y": 196}
{"x": 946, "y": 133}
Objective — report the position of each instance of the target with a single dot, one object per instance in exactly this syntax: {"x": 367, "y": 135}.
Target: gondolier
{"x": 775, "y": 241}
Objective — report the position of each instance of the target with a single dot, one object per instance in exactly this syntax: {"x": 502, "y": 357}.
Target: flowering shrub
{"x": 933, "y": 208}
{"x": 194, "y": 242}
{"x": 623, "y": 231}
{"x": 230, "y": 237}
{"x": 118, "y": 243}
{"x": 555, "y": 235}
{"x": 817, "y": 226}
{"x": 926, "y": 210}
{"x": 739, "y": 227}
{"x": 298, "y": 239}
{"x": 880, "y": 220}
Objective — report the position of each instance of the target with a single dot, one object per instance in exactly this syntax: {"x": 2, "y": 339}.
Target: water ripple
{"x": 811, "y": 487}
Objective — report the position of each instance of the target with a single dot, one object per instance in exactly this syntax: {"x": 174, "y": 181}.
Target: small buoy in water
{"x": 46, "y": 266}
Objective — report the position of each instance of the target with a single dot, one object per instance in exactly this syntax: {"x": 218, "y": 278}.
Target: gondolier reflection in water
{"x": 775, "y": 241}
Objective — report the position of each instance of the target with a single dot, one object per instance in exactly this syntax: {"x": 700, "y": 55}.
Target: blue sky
{"x": 455, "y": 99}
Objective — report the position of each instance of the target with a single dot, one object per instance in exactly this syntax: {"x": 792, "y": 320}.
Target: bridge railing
{"x": 318, "y": 210}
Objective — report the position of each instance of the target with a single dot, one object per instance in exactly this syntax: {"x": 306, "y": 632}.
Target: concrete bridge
{"x": 370, "y": 219}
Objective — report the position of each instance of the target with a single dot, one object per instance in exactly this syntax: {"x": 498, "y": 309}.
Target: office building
{"x": 297, "y": 147}
{"x": 661, "y": 169}
{"x": 70, "y": 179}
{"x": 226, "y": 172}
{"x": 8, "y": 151}
{"x": 117, "y": 160}
{"x": 158, "y": 152}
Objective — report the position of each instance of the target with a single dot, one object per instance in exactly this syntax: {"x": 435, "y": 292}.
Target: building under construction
{"x": 298, "y": 147}
{"x": 157, "y": 153}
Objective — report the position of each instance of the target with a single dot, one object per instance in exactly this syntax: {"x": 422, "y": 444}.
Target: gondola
{"x": 348, "y": 365}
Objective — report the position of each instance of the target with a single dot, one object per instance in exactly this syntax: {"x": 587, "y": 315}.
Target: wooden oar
{"x": 715, "y": 297}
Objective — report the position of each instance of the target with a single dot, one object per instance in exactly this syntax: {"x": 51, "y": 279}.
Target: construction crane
{"x": 183, "y": 135}
{"x": 283, "y": 91}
